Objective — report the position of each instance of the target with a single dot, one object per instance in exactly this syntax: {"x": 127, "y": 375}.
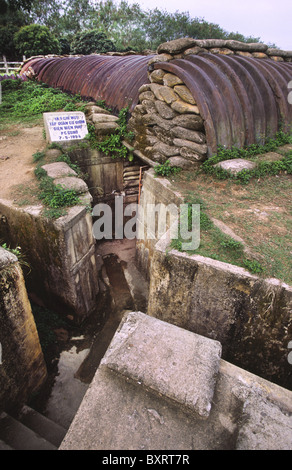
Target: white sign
{"x": 65, "y": 126}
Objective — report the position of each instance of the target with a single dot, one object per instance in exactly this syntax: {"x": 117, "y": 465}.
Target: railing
{"x": 10, "y": 66}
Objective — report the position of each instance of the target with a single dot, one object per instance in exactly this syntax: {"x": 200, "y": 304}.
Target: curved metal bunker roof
{"x": 114, "y": 79}
{"x": 242, "y": 100}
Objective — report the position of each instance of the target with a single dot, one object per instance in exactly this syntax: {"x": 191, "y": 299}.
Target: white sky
{"x": 270, "y": 20}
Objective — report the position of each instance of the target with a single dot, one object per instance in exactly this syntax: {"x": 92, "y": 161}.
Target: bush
{"x": 91, "y": 42}
{"x": 36, "y": 40}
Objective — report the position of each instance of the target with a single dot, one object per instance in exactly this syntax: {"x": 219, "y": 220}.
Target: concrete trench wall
{"x": 160, "y": 387}
{"x": 22, "y": 366}
{"x": 61, "y": 253}
{"x": 250, "y": 316}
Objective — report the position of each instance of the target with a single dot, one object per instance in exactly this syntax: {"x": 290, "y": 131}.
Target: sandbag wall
{"x": 189, "y": 98}
{"x": 206, "y": 93}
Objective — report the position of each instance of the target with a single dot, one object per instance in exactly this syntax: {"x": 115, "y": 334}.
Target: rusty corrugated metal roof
{"x": 114, "y": 79}
{"x": 242, "y": 100}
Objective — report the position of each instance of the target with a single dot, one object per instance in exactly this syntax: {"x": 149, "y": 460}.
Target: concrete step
{"x": 43, "y": 426}
{"x": 19, "y": 437}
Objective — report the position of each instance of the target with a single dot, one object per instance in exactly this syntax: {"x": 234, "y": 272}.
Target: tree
{"x": 13, "y": 15}
{"x": 35, "y": 40}
{"x": 7, "y": 46}
{"x": 15, "y": 5}
{"x": 127, "y": 26}
{"x": 90, "y": 42}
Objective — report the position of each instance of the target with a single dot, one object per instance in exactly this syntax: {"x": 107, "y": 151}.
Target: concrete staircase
{"x": 29, "y": 430}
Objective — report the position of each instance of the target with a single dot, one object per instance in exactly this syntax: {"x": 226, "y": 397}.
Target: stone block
{"x": 105, "y": 128}
{"x": 167, "y": 94}
{"x": 181, "y": 162}
{"x": 243, "y": 46}
{"x": 157, "y": 76}
{"x": 176, "y": 46}
{"x": 58, "y": 170}
{"x": 259, "y": 55}
{"x": 194, "y": 136}
{"x": 160, "y": 58}
{"x": 167, "y": 150}
{"x": 164, "y": 110}
{"x": 71, "y": 182}
{"x": 151, "y": 353}
{"x": 146, "y": 95}
{"x": 198, "y": 148}
{"x": 92, "y": 108}
{"x": 99, "y": 117}
{"x": 236, "y": 165}
{"x": 189, "y": 121}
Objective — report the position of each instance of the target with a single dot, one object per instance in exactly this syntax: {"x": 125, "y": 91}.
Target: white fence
{"x": 8, "y": 67}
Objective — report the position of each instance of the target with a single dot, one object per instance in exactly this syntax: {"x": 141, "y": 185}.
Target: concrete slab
{"x": 72, "y": 183}
{"x": 58, "y": 170}
{"x": 150, "y": 352}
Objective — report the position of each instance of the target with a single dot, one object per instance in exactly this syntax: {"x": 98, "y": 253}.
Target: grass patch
{"x": 164, "y": 169}
{"x": 25, "y": 102}
{"x": 262, "y": 169}
{"x": 56, "y": 198}
{"x": 113, "y": 144}
{"x": 260, "y": 213}
{"x": 215, "y": 244}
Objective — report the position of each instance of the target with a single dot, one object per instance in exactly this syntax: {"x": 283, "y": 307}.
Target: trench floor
{"x": 123, "y": 289}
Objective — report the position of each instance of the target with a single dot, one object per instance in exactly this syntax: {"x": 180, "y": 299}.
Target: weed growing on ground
{"x": 18, "y": 253}
{"x": 28, "y": 100}
{"x": 113, "y": 144}
{"x": 216, "y": 244}
{"x": 263, "y": 168}
{"x": 164, "y": 169}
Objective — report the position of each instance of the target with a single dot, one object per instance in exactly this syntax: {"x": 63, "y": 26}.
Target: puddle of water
{"x": 67, "y": 392}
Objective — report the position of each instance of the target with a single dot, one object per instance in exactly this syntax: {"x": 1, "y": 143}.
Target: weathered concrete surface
{"x": 126, "y": 409}
{"x": 194, "y": 361}
{"x": 154, "y": 191}
{"x": 250, "y": 316}
{"x": 22, "y": 366}
{"x": 61, "y": 254}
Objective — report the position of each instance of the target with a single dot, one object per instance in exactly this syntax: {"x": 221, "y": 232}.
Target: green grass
{"x": 262, "y": 169}
{"x": 268, "y": 237}
{"x": 113, "y": 144}
{"x": 215, "y": 244}
{"x": 25, "y": 102}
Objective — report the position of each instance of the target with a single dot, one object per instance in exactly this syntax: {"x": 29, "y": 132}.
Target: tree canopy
{"x": 128, "y": 26}
{"x": 36, "y": 40}
{"x": 123, "y": 25}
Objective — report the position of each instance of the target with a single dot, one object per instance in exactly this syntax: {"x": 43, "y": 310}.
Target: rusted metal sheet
{"x": 114, "y": 79}
{"x": 242, "y": 100}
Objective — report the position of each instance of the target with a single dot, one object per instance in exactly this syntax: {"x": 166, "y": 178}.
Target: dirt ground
{"x": 17, "y": 145}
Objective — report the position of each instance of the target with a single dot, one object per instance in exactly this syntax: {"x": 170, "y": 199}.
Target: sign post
{"x": 65, "y": 126}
